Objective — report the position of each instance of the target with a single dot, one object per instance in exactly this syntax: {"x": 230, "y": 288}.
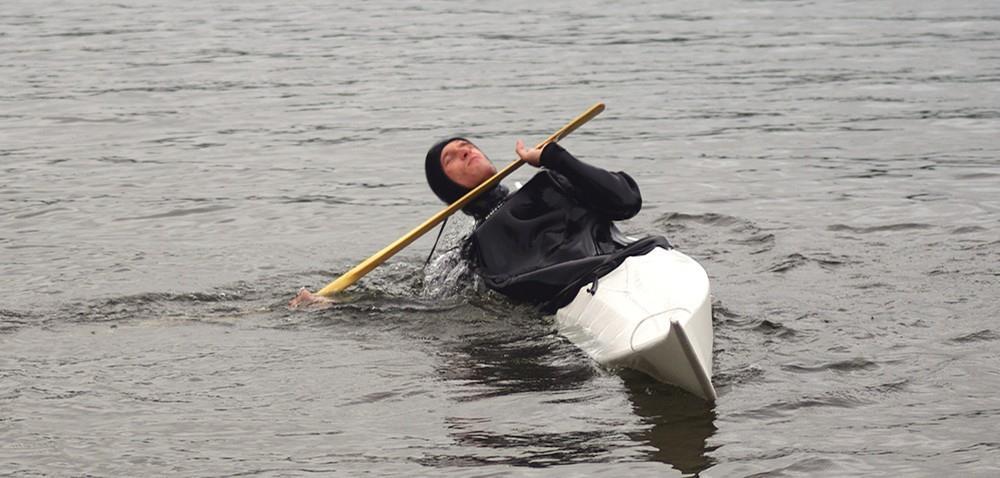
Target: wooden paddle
{"x": 372, "y": 262}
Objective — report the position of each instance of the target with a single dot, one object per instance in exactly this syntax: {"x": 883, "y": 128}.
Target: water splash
{"x": 448, "y": 274}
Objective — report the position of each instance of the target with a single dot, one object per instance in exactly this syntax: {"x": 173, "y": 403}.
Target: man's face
{"x": 465, "y": 164}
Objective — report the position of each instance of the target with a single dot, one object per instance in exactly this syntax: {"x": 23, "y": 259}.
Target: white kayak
{"x": 652, "y": 313}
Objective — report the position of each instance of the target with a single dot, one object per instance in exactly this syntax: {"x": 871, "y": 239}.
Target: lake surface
{"x": 172, "y": 172}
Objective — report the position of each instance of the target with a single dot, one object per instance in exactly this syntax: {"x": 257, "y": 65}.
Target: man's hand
{"x": 531, "y": 156}
{"x": 309, "y": 300}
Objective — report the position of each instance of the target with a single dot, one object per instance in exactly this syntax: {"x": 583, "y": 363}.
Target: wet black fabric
{"x": 545, "y": 241}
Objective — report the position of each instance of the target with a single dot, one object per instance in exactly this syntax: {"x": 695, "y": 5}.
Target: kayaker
{"x": 555, "y": 234}
{"x": 543, "y": 242}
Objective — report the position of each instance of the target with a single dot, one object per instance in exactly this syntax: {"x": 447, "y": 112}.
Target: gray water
{"x": 173, "y": 171}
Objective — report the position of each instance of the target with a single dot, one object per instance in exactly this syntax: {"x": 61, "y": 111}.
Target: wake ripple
{"x": 900, "y": 227}
{"x": 850, "y": 365}
{"x": 704, "y": 228}
{"x": 795, "y": 260}
{"x": 985, "y": 335}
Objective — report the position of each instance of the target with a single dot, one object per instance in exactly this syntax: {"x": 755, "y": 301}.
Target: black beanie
{"x": 440, "y": 183}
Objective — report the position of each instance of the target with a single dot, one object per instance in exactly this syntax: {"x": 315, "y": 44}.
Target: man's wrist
{"x": 551, "y": 156}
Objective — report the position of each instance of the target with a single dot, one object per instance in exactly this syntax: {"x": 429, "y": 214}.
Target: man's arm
{"x": 614, "y": 195}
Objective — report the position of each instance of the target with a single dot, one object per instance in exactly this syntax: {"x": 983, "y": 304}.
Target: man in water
{"x": 543, "y": 242}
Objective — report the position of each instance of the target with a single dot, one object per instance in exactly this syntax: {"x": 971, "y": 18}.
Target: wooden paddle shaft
{"x": 366, "y": 266}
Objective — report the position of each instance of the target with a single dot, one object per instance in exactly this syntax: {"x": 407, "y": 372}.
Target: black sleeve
{"x": 614, "y": 195}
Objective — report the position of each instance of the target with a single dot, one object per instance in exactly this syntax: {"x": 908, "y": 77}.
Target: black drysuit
{"x": 554, "y": 235}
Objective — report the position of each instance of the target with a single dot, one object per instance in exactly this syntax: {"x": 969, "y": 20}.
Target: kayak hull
{"x": 653, "y": 313}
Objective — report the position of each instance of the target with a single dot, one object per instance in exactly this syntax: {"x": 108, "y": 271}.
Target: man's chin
{"x": 486, "y": 177}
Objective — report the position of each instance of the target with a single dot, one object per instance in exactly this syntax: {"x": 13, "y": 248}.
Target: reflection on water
{"x": 502, "y": 365}
{"x": 532, "y": 363}
{"x": 528, "y": 449}
{"x": 679, "y": 424}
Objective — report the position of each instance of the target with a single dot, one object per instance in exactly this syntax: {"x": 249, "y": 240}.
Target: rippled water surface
{"x": 173, "y": 171}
